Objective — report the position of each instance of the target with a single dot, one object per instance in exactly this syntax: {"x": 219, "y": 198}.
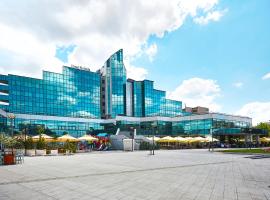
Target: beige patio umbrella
{"x": 180, "y": 139}
{"x": 22, "y": 137}
{"x": 265, "y": 139}
{"x": 189, "y": 139}
{"x": 46, "y": 137}
{"x": 200, "y": 139}
{"x": 88, "y": 138}
{"x": 66, "y": 138}
{"x": 167, "y": 139}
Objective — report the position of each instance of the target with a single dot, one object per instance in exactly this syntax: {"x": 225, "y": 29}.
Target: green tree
{"x": 41, "y": 144}
{"x": 40, "y": 130}
{"x": 29, "y": 143}
{"x": 264, "y": 126}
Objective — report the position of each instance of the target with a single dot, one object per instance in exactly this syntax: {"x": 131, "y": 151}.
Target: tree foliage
{"x": 41, "y": 144}
{"x": 264, "y": 126}
{"x": 29, "y": 143}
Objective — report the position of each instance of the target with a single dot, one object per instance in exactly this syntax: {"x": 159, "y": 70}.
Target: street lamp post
{"x": 148, "y": 131}
{"x": 212, "y": 140}
{"x": 211, "y": 146}
{"x": 154, "y": 125}
{"x": 132, "y": 138}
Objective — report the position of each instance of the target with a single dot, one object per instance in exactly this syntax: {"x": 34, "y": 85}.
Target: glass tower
{"x": 114, "y": 80}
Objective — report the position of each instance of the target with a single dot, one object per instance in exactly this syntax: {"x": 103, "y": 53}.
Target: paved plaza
{"x": 179, "y": 174}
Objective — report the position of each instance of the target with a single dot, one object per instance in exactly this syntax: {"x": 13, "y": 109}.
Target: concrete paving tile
{"x": 180, "y": 174}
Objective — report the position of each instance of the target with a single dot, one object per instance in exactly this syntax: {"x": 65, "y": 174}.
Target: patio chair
{"x": 19, "y": 158}
{"x": 1, "y": 159}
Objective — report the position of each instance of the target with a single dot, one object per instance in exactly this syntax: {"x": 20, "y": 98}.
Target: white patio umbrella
{"x": 209, "y": 139}
{"x": 155, "y": 138}
{"x": 46, "y": 137}
{"x": 200, "y": 139}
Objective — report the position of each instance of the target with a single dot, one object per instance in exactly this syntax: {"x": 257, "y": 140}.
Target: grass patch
{"x": 246, "y": 151}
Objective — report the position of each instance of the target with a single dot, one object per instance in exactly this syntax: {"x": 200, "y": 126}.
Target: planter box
{"x": 40, "y": 152}
{"x": 9, "y": 159}
{"x": 54, "y": 152}
{"x": 30, "y": 152}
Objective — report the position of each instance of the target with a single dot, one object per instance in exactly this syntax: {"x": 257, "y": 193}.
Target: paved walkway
{"x": 182, "y": 174}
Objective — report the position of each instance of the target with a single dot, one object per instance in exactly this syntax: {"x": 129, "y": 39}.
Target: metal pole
{"x": 212, "y": 139}
{"x": 150, "y": 149}
{"x": 132, "y": 138}
{"x": 153, "y": 145}
{"x": 132, "y": 141}
{"x": 212, "y": 142}
{"x": 11, "y": 126}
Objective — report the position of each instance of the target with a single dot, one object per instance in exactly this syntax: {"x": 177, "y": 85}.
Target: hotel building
{"x": 79, "y": 100}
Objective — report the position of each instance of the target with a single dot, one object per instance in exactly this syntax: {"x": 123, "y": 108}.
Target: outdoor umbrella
{"x": 167, "y": 139}
{"x": 265, "y": 139}
{"x": 66, "y": 138}
{"x": 209, "y": 139}
{"x": 46, "y": 137}
{"x": 200, "y": 139}
{"x": 155, "y": 138}
{"x": 21, "y": 137}
{"x": 87, "y": 138}
{"x": 180, "y": 139}
{"x": 189, "y": 139}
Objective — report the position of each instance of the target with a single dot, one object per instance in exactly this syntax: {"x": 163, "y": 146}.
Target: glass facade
{"x": 74, "y": 128}
{"x": 156, "y": 104}
{"x": 218, "y": 124}
{"x": 114, "y": 72}
{"x": 79, "y": 100}
{"x": 75, "y": 93}
{"x": 138, "y": 99}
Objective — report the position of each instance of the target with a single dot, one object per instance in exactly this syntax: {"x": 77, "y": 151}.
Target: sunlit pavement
{"x": 179, "y": 174}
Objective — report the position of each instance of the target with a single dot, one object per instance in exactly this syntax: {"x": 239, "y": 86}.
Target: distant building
{"x": 197, "y": 110}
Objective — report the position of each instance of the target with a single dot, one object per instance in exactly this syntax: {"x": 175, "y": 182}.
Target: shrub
{"x": 41, "y": 143}
{"x": 29, "y": 143}
{"x": 19, "y": 144}
{"x": 70, "y": 146}
{"x": 9, "y": 142}
{"x": 52, "y": 146}
{"x": 148, "y": 146}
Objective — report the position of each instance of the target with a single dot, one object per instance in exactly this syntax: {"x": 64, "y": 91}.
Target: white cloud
{"x": 136, "y": 73}
{"x": 30, "y": 31}
{"x": 210, "y": 16}
{"x": 259, "y": 111}
{"x": 198, "y": 92}
{"x": 151, "y": 51}
{"x": 238, "y": 84}
{"x": 266, "y": 76}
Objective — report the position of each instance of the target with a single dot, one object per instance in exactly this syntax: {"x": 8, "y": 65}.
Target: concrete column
{"x": 257, "y": 138}
{"x": 246, "y": 139}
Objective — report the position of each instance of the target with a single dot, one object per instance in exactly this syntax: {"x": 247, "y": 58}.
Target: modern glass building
{"x": 79, "y": 100}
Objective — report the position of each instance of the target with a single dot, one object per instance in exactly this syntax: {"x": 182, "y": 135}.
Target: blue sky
{"x": 211, "y": 53}
{"x": 234, "y": 49}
